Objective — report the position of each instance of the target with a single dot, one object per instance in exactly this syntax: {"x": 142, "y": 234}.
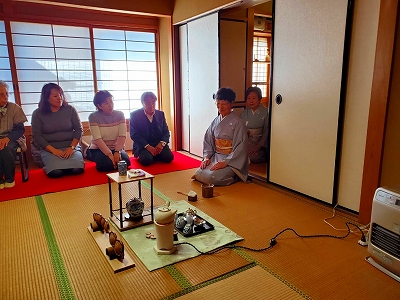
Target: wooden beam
{"x": 249, "y": 55}
{"x": 378, "y": 107}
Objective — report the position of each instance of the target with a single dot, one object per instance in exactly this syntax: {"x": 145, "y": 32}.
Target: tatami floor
{"x": 48, "y": 253}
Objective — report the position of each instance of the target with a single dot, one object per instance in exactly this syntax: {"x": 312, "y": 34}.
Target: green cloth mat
{"x": 207, "y": 241}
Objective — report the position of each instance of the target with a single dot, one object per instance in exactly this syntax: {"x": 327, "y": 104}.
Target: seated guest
{"x": 255, "y": 117}
{"x": 56, "y": 131}
{"x": 12, "y": 130}
{"x": 224, "y": 145}
{"x": 149, "y": 132}
{"x": 108, "y": 130}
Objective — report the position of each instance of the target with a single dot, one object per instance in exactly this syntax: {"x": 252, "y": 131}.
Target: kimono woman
{"x": 255, "y": 117}
{"x": 225, "y": 145}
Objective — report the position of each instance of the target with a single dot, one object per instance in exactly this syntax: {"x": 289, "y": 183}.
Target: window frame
{"x": 82, "y": 18}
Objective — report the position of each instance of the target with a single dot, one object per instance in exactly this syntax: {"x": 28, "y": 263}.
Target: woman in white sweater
{"x": 108, "y": 129}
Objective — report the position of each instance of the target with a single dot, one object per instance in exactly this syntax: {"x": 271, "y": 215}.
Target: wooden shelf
{"x": 119, "y": 216}
{"x": 102, "y": 240}
{"x": 128, "y": 223}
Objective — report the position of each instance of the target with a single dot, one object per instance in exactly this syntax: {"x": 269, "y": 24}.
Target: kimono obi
{"x": 223, "y": 146}
{"x": 255, "y": 132}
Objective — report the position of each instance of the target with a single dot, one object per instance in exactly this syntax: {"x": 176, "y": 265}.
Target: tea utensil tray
{"x": 195, "y": 229}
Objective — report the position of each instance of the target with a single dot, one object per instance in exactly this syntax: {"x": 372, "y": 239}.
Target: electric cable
{"x": 363, "y": 228}
{"x": 273, "y": 241}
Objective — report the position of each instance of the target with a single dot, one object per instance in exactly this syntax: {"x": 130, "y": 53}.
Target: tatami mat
{"x": 258, "y": 214}
{"x": 97, "y": 279}
{"x": 306, "y": 263}
{"x": 172, "y": 183}
{"x": 254, "y": 283}
{"x": 206, "y": 267}
{"x": 316, "y": 268}
{"x": 91, "y": 277}
{"x": 25, "y": 264}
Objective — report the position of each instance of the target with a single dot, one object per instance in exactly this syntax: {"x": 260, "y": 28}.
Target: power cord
{"x": 273, "y": 242}
{"x": 364, "y": 228}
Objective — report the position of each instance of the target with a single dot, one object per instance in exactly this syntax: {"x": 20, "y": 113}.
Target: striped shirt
{"x": 108, "y": 131}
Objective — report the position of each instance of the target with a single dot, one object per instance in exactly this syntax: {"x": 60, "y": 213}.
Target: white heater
{"x": 384, "y": 233}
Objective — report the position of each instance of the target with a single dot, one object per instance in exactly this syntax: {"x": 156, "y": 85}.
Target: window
{"x": 51, "y": 53}
{"x": 124, "y": 63}
{"x": 5, "y": 70}
{"x": 125, "y": 66}
{"x": 261, "y": 61}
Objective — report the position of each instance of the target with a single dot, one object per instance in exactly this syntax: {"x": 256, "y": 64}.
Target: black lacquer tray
{"x": 195, "y": 229}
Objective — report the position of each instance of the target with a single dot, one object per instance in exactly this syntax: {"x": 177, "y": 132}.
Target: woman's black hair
{"x": 100, "y": 97}
{"x": 225, "y": 94}
{"x": 44, "y": 104}
{"x": 254, "y": 89}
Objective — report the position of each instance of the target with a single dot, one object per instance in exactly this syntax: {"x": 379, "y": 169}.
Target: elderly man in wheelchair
{"x": 12, "y": 129}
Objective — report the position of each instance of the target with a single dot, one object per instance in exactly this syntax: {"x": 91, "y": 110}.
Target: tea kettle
{"x": 164, "y": 221}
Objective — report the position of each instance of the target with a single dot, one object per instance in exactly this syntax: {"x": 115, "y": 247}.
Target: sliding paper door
{"x": 307, "y": 73}
{"x": 199, "y": 80}
{"x": 184, "y": 87}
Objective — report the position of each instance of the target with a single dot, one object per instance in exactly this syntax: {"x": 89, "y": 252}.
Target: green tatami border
{"x": 64, "y": 285}
{"x": 192, "y": 288}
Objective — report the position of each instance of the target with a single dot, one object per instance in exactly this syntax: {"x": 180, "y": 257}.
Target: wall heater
{"x": 384, "y": 233}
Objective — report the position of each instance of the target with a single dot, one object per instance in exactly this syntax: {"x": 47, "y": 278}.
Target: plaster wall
{"x": 167, "y": 103}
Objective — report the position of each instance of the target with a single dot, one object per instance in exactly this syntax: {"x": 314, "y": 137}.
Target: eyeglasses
{"x": 117, "y": 247}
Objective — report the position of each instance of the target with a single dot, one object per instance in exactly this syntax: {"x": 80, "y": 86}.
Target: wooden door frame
{"x": 378, "y": 107}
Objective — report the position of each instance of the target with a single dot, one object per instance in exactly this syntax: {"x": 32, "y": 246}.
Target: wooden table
{"x": 119, "y": 216}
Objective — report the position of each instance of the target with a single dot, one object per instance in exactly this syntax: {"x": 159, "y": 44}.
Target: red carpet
{"x": 39, "y": 183}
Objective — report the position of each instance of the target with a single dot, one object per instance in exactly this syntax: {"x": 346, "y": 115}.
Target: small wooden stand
{"x": 119, "y": 216}
{"x": 102, "y": 241}
{"x": 164, "y": 252}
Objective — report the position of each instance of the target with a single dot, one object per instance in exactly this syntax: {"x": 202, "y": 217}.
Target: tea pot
{"x": 189, "y": 215}
{"x": 164, "y": 215}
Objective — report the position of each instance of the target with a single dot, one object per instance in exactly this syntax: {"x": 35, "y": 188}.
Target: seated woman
{"x": 12, "y": 130}
{"x": 108, "y": 130}
{"x": 256, "y": 120}
{"x": 224, "y": 145}
{"x": 56, "y": 131}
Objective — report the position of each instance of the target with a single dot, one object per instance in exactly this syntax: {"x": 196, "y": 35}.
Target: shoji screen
{"x": 185, "y": 87}
{"x": 307, "y": 72}
{"x": 200, "y": 81}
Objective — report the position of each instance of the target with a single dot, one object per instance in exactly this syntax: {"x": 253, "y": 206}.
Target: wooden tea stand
{"x": 120, "y": 217}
